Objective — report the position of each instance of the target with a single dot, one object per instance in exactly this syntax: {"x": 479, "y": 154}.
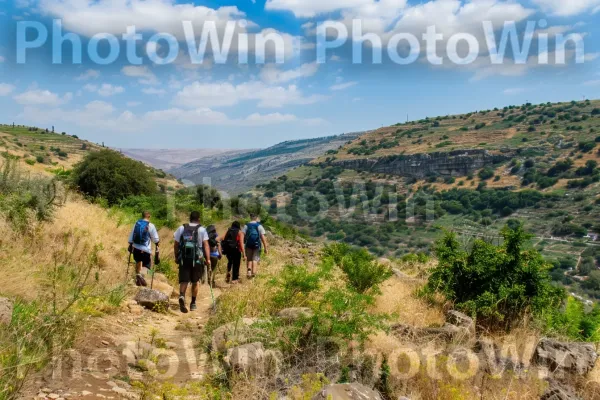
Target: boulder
{"x": 347, "y": 391}
{"x": 557, "y": 392}
{"x": 492, "y": 362}
{"x": 458, "y": 328}
{"x": 460, "y": 320}
{"x": 6, "y": 311}
{"x": 165, "y": 288}
{"x": 570, "y": 358}
{"x": 253, "y": 360}
{"x": 231, "y": 334}
{"x": 295, "y": 314}
{"x": 152, "y": 299}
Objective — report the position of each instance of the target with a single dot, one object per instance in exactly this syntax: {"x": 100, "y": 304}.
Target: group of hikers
{"x": 198, "y": 251}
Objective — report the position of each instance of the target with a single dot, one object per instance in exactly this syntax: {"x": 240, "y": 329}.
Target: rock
{"x": 557, "y": 392}
{"x": 231, "y": 334}
{"x": 6, "y": 311}
{"x": 105, "y": 343}
{"x": 458, "y": 328}
{"x": 492, "y": 362}
{"x": 53, "y": 396}
{"x": 86, "y": 393}
{"x": 347, "y": 391}
{"x": 295, "y": 314}
{"x": 460, "y": 320}
{"x": 152, "y": 299}
{"x": 571, "y": 358}
{"x": 252, "y": 359}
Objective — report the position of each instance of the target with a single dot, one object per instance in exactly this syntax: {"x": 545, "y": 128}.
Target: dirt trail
{"x": 121, "y": 348}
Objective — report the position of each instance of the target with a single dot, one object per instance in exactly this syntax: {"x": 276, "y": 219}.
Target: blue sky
{"x": 255, "y": 105}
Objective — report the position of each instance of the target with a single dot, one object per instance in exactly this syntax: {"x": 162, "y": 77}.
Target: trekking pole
{"x": 128, "y": 265}
{"x": 212, "y": 295}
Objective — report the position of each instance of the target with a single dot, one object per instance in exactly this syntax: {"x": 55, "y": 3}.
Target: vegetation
{"x": 108, "y": 175}
{"x": 497, "y": 284}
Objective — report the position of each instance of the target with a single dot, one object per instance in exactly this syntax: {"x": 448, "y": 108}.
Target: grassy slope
{"x": 557, "y": 130}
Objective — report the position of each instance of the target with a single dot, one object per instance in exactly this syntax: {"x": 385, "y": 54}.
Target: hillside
{"x": 237, "y": 173}
{"x": 394, "y": 189}
{"x": 167, "y": 159}
{"x": 317, "y": 322}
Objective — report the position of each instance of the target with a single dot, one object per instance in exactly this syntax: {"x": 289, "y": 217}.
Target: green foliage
{"x": 24, "y": 200}
{"x": 486, "y": 173}
{"x": 363, "y": 272}
{"x": 208, "y": 196}
{"x": 496, "y": 284}
{"x": 574, "y": 322}
{"x": 109, "y": 175}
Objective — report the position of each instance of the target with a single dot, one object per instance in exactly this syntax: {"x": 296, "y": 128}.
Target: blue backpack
{"x": 141, "y": 232}
{"x": 252, "y": 239}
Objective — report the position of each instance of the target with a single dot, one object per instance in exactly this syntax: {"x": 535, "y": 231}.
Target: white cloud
{"x": 513, "y": 91}
{"x": 343, "y": 86}
{"x": 114, "y": 16}
{"x": 89, "y": 74}
{"x": 154, "y": 91}
{"x": 2, "y": 59}
{"x": 224, "y": 94}
{"x": 6, "y": 89}
{"x": 133, "y": 103}
{"x": 96, "y": 114}
{"x": 42, "y": 98}
{"x": 567, "y": 8}
{"x": 207, "y": 116}
{"x": 311, "y": 8}
{"x": 104, "y": 90}
{"x": 143, "y": 73}
{"x": 272, "y": 75}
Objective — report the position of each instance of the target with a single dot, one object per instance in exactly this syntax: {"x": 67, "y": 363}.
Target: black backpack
{"x": 230, "y": 243}
{"x": 212, "y": 236}
{"x": 190, "y": 252}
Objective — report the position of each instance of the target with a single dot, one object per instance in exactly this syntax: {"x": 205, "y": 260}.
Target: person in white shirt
{"x": 191, "y": 260}
{"x": 141, "y": 238}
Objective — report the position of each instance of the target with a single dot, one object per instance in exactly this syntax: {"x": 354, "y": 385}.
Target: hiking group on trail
{"x": 198, "y": 251}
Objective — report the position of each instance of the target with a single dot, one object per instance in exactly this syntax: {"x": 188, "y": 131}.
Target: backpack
{"x": 252, "y": 238}
{"x": 230, "y": 243}
{"x": 212, "y": 236}
{"x": 189, "y": 250}
{"x": 141, "y": 232}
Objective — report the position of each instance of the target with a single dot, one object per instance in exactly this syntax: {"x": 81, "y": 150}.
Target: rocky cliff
{"x": 455, "y": 163}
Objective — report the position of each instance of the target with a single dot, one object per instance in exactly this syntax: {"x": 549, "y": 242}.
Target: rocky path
{"x": 131, "y": 346}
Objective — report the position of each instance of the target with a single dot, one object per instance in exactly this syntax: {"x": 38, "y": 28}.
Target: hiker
{"x": 216, "y": 253}
{"x": 233, "y": 248}
{"x": 253, "y": 237}
{"x": 141, "y": 238}
{"x": 191, "y": 250}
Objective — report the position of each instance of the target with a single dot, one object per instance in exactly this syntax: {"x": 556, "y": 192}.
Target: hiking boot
{"x": 140, "y": 281}
{"x": 193, "y": 307}
{"x": 182, "y": 306}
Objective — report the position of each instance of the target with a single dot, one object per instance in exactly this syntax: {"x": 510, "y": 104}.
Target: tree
{"x": 496, "y": 284}
{"x": 208, "y": 196}
{"x": 107, "y": 174}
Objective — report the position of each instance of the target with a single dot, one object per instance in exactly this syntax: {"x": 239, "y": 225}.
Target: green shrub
{"x": 486, "y": 173}
{"x": 574, "y": 322}
{"x": 363, "y": 272}
{"x": 29, "y": 161}
{"x": 497, "y": 284}
{"x": 40, "y": 159}
{"x": 109, "y": 175}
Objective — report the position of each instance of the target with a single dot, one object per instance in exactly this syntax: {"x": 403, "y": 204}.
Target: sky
{"x": 306, "y": 90}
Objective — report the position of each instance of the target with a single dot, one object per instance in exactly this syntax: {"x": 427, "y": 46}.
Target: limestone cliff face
{"x": 454, "y": 163}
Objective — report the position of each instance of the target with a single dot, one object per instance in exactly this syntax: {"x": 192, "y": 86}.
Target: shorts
{"x": 189, "y": 273}
{"x": 253, "y": 254}
{"x": 142, "y": 257}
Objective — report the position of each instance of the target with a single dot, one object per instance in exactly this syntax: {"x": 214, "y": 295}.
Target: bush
{"x": 497, "y": 284}
{"x": 109, "y": 175}
{"x": 574, "y": 323}
{"x": 40, "y": 159}
{"x": 486, "y": 173}
{"x": 208, "y": 196}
